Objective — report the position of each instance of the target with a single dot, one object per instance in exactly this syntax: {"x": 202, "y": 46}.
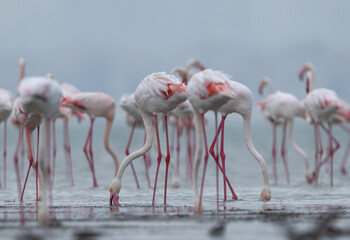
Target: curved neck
{"x": 263, "y": 84}
{"x": 295, "y": 146}
{"x": 309, "y": 81}
{"x": 253, "y": 151}
{"x": 106, "y": 143}
{"x": 147, "y": 120}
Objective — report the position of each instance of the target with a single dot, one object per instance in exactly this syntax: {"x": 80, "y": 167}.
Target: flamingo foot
{"x": 265, "y": 194}
{"x": 234, "y": 196}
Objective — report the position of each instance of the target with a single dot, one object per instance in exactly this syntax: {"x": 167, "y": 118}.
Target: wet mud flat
{"x": 247, "y": 218}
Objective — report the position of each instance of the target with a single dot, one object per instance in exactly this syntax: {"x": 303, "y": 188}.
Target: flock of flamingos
{"x": 183, "y": 103}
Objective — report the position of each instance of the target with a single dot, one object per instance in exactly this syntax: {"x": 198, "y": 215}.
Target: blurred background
{"x": 112, "y": 45}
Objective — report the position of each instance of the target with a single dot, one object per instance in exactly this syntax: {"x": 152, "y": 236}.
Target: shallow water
{"x": 82, "y": 212}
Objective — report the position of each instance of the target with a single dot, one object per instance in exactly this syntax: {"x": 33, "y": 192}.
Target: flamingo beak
{"x": 114, "y": 199}
{"x": 301, "y": 74}
{"x": 201, "y": 67}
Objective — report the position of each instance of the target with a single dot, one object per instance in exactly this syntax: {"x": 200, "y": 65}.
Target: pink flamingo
{"x": 158, "y": 93}
{"x": 95, "y": 104}
{"x": 134, "y": 119}
{"x": 280, "y": 108}
{"x": 320, "y": 105}
{"x": 6, "y": 102}
{"x": 207, "y": 90}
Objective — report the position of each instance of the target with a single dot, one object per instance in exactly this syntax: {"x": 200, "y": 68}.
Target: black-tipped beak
{"x": 111, "y": 199}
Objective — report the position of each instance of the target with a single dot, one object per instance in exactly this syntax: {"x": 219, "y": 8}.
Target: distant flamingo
{"x": 280, "y": 108}
{"x": 95, "y": 104}
{"x": 241, "y": 103}
{"x": 207, "y": 90}
{"x": 320, "y": 105}
{"x": 6, "y": 102}
{"x": 158, "y": 93}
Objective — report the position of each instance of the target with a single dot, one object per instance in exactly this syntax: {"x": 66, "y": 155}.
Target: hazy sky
{"x": 112, "y": 45}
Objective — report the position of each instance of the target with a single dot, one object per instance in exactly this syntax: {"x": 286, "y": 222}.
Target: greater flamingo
{"x": 207, "y": 90}
{"x": 280, "y": 108}
{"x": 241, "y": 103}
{"x": 320, "y": 105}
{"x": 6, "y": 102}
{"x": 95, "y": 104}
{"x": 158, "y": 93}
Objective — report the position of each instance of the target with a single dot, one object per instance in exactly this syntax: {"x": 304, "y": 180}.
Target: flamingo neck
{"x": 147, "y": 120}
{"x": 106, "y": 143}
{"x": 253, "y": 151}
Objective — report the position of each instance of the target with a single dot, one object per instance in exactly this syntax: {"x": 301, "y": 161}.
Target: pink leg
{"x": 217, "y": 168}
{"x": 189, "y": 150}
{"x": 331, "y": 149}
{"x": 54, "y": 150}
{"x": 347, "y": 151}
{"x": 234, "y": 196}
{"x": 284, "y": 151}
{"x": 274, "y": 151}
{"x": 319, "y": 150}
{"x": 5, "y": 151}
{"x": 159, "y": 158}
{"x": 22, "y": 151}
{"x": 146, "y": 166}
{"x": 67, "y": 148}
{"x": 167, "y": 158}
{"x": 20, "y": 136}
{"x": 28, "y": 136}
{"x": 48, "y": 160}
{"x": 177, "y": 146}
{"x": 127, "y": 153}
{"x": 206, "y": 156}
{"x": 223, "y": 156}
{"x": 37, "y": 163}
{"x": 88, "y": 155}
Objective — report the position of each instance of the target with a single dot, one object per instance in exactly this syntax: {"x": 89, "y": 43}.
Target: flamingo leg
{"x": 217, "y": 168}
{"x": 5, "y": 151}
{"x": 318, "y": 150}
{"x": 167, "y": 158}
{"x": 15, "y": 159}
{"x": 177, "y": 146}
{"x": 234, "y": 196}
{"x": 274, "y": 152}
{"x": 67, "y": 148}
{"x": 22, "y": 151}
{"x": 347, "y": 151}
{"x": 223, "y": 156}
{"x": 189, "y": 150}
{"x": 206, "y": 156}
{"x": 37, "y": 163}
{"x": 54, "y": 150}
{"x": 127, "y": 153}
{"x": 146, "y": 165}
{"x": 28, "y": 136}
{"x": 89, "y": 155}
{"x": 159, "y": 158}
{"x": 284, "y": 151}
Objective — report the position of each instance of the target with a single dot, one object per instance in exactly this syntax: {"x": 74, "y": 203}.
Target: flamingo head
{"x": 265, "y": 194}
{"x": 307, "y": 67}
{"x": 114, "y": 190}
{"x": 264, "y": 81}
{"x": 193, "y": 62}
{"x": 310, "y": 177}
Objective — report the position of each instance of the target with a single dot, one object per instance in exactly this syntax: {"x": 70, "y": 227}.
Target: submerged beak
{"x": 114, "y": 199}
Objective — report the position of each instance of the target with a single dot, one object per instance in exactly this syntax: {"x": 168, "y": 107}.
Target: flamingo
{"x": 134, "y": 119}
{"x": 320, "y": 105}
{"x": 6, "y": 102}
{"x": 95, "y": 104}
{"x": 280, "y": 108}
{"x": 207, "y": 90}
{"x": 158, "y": 93}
